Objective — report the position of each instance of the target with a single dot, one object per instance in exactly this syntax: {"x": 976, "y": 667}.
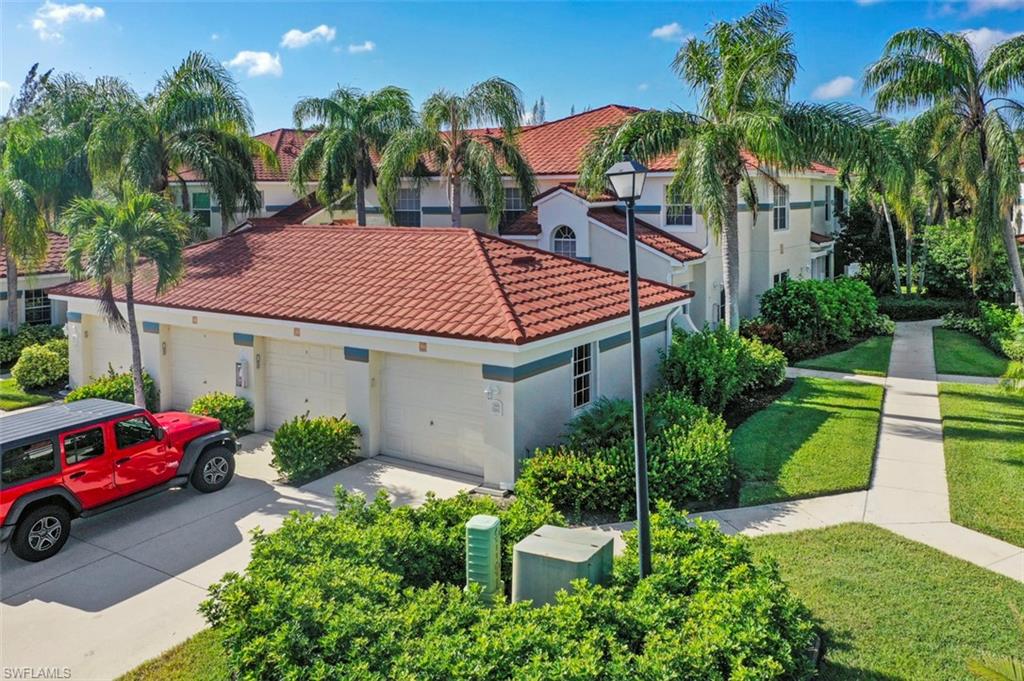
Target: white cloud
{"x": 835, "y": 88}
{"x": 982, "y": 6}
{"x": 257, "y": 63}
{"x": 984, "y": 39}
{"x": 365, "y": 46}
{"x": 672, "y": 32}
{"x": 296, "y": 38}
{"x": 4, "y": 85}
{"x": 51, "y": 15}
{"x": 642, "y": 87}
{"x": 865, "y": 3}
{"x": 215, "y": 36}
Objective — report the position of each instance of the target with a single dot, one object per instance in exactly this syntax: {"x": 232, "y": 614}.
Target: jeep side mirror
{"x": 160, "y": 434}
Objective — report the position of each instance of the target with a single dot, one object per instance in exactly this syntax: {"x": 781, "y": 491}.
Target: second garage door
{"x": 110, "y": 349}
{"x": 433, "y": 412}
{"x": 202, "y": 362}
{"x": 304, "y": 377}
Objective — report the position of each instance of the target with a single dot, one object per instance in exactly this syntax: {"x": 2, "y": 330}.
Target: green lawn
{"x": 870, "y": 358}
{"x": 962, "y": 353}
{"x": 983, "y": 433}
{"x": 818, "y": 438}
{"x": 13, "y": 397}
{"x": 895, "y": 609}
{"x": 200, "y": 657}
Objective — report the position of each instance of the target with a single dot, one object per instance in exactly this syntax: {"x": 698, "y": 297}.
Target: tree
{"x": 920, "y": 67}
{"x": 742, "y": 73}
{"x": 196, "y": 119}
{"x": 445, "y": 139}
{"x": 108, "y": 238}
{"x": 349, "y": 127}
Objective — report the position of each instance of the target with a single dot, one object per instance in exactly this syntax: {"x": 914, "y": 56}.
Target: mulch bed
{"x": 751, "y": 403}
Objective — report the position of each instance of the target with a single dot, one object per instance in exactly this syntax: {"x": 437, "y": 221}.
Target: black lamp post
{"x": 627, "y": 181}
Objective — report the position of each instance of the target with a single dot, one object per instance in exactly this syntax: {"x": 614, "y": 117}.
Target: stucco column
{"x": 362, "y": 396}
{"x": 500, "y": 456}
{"x": 250, "y": 378}
{"x": 153, "y": 342}
{"x": 832, "y": 264}
{"x": 76, "y": 330}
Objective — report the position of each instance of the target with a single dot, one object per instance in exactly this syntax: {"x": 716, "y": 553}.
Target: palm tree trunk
{"x": 910, "y": 260}
{"x": 892, "y": 246}
{"x": 360, "y": 195}
{"x": 455, "y": 199}
{"x": 13, "y": 320}
{"x": 731, "y": 257}
{"x": 1010, "y": 242}
{"x": 133, "y": 334}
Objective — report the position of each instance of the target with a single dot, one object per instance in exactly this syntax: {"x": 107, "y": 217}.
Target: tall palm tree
{"x": 920, "y": 67}
{"x": 108, "y": 238}
{"x": 742, "y": 73}
{"x": 445, "y": 139}
{"x": 350, "y": 127}
{"x": 197, "y": 119}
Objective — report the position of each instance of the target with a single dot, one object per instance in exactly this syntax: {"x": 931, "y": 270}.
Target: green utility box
{"x": 483, "y": 555}
{"x": 548, "y": 560}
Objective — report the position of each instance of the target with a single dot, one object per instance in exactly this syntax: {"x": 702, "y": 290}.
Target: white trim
{"x": 647, "y": 248}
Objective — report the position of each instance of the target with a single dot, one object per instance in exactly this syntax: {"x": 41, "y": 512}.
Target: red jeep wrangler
{"x": 75, "y": 460}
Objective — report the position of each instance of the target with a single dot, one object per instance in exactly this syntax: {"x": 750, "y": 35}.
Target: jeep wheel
{"x": 41, "y": 533}
{"x": 213, "y": 469}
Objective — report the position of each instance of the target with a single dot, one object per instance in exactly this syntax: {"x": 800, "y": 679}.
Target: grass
{"x": 13, "y": 397}
{"x": 869, "y": 358}
{"x": 892, "y": 608}
{"x": 962, "y": 353}
{"x": 983, "y": 433}
{"x": 818, "y": 438}
{"x": 200, "y": 657}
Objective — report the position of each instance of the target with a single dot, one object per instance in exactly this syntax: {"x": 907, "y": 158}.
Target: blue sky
{"x": 573, "y": 54}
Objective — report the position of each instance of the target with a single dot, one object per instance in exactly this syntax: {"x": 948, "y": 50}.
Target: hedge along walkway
{"x": 908, "y": 493}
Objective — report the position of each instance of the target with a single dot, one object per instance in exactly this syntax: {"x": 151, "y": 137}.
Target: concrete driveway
{"x": 126, "y": 585}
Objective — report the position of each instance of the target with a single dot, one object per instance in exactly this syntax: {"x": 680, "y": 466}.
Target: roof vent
{"x": 525, "y": 260}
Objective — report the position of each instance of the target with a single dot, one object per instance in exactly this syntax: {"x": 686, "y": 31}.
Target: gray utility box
{"x": 548, "y": 560}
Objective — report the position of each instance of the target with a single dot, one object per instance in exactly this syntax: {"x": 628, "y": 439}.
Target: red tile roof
{"x": 1020, "y": 239}
{"x": 448, "y": 282}
{"x": 293, "y": 214}
{"x": 56, "y": 251}
{"x": 524, "y": 225}
{"x": 821, "y": 238}
{"x": 648, "y": 234}
{"x": 573, "y": 189}
{"x": 286, "y": 143}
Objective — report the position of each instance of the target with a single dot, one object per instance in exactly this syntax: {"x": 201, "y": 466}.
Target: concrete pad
{"x": 405, "y": 482}
{"x": 894, "y": 505}
{"x": 17, "y": 575}
{"x": 958, "y": 541}
{"x": 797, "y": 372}
{"x": 770, "y": 519}
{"x": 1012, "y": 567}
{"x": 912, "y": 475}
{"x": 975, "y": 380}
{"x": 836, "y": 509}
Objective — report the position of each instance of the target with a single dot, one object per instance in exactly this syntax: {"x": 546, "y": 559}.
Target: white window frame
{"x": 780, "y": 209}
{"x": 780, "y": 277}
{"x": 685, "y": 212}
{"x": 35, "y": 300}
{"x": 514, "y": 202}
{"x": 409, "y": 200}
{"x": 197, "y": 211}
{"x": 559, "y": 243}
{"x": 583, "y": 369}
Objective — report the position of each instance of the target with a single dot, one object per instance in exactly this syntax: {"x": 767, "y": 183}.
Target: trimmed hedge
{"x": 999, "y": 327}
{"x": 914, "y": 308}
{"x": 234, "y": 412}
{"x": 42, "y": 366}
{"x": 306, "y": 448}
{"x": 374, "y": 593}
{"x": 117, "y": 387}
{"x": 11, "y": 345}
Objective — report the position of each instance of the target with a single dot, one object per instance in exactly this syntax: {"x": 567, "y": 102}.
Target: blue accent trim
{"x": 214, "y": 209}
{"x": 446, "y": 210}
{"x": 75, "y": 317}
{"x": 743, "y": 208}
{"x": 357, "y": 354}
{"x": 373, "y": 210}
{"x": 274, "y": 209}
{"x": 150, "y": 327}
{"x": 799, "y": 205}
{"x": 819, "y": 203}
{"x": 3, "y": 295}
{"x": 648, "y": 209}
{"x": 621, "y": 339}
{"x": 583, "y": 258}
{"x": 244, "y": 339}
{"x": 493, "y": 372}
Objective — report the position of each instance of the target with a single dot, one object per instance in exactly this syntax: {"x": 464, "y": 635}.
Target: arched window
{"x": 563, "y": 241}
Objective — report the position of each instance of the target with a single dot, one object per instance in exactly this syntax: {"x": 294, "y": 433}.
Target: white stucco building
{"x": 35, "y": 305}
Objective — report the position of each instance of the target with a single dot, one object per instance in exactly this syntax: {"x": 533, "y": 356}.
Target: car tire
{"x": 41, "y": 533}
{"x": 213, "y": 470}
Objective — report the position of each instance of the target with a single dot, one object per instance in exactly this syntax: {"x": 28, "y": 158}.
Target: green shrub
{"x": 914, "y": 308}
{"x": 947, "y": 272}
{"x": 306, "y": 448}
{"x": 233, "y": 412}
{"x": 11, "y": 345}
{"x": 768, "y": 365}
{"x": 375, "y": 593}
{"x": 39, "y": 366}
{"x": 1001, "y": 328}
{"x": 576, "y": 483}
{"x": 117, "y": 387}
{"x": 711, "y": 366}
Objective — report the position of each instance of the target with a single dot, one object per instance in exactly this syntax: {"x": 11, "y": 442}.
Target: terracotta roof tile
{"x": 56, "y": 251}
{"x": 448, "y": 282}
{"x": 648, "y": 234}
{"x": 818, "y": 238}
{"x": 1020, "y": 239}
{"x": 524, "y": 225}
{"x": 293, "y": 214}
{"x": 286, "y": 143}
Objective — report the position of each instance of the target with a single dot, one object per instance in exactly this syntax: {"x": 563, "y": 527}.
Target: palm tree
{"x": 742, "y": 74}
{"x": 350, "y": 127}
{"x": 923, "y": 68}
{"x": 195, "y": 119}
{"x": 445, "y": 138}
{"x": 107, "y": 238}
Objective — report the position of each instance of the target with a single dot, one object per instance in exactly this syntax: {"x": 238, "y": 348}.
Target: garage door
{"x": 201, "y": 362}
{"x": 108, "y": 348}
{"x": 433, "y": 412}
{"x": 304, "y": 377}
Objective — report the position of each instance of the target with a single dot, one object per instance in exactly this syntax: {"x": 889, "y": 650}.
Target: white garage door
{"x": 303, "y": 377}
{"x": 108, "y": 348}
{"x": 433, "y": 412}
{"x": 201, "y": 362}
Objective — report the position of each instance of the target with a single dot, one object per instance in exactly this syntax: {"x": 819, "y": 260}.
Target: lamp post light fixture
{"x": 627, "y": 179}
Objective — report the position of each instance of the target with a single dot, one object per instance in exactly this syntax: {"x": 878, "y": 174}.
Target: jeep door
{"x": 140, "y": 459}
{"x": 88, "y": 470}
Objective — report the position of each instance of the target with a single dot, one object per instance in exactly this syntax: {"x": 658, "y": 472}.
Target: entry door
{"x": 140, "y": 461}
{"x": 89, "y": 465}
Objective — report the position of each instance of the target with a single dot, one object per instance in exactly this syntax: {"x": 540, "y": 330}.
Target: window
{"x": 407, "y": 208}
{"x": 563, "y": 241}
{"x": 83, "y": 446}
{"x": 27, "y": 461}
{"x": 780, "y": 208}
{"x": 201, "y": 208}
{"x": 514, "y": 204}
{"x": 37, "y": 307}
{"x": 780, "y": 277}
{"x": 582, "y": 372}
{"x": 828, "y": 203}
{"x": 133, "y": 431}
{"x": 722, "y": 311}
{"x": 840, "y": 197}
{"x": 677, "y": 212}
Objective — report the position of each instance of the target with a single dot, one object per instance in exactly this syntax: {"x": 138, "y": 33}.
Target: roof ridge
{"x": 582, "y": 113}
{"x": 511, "y": 318}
